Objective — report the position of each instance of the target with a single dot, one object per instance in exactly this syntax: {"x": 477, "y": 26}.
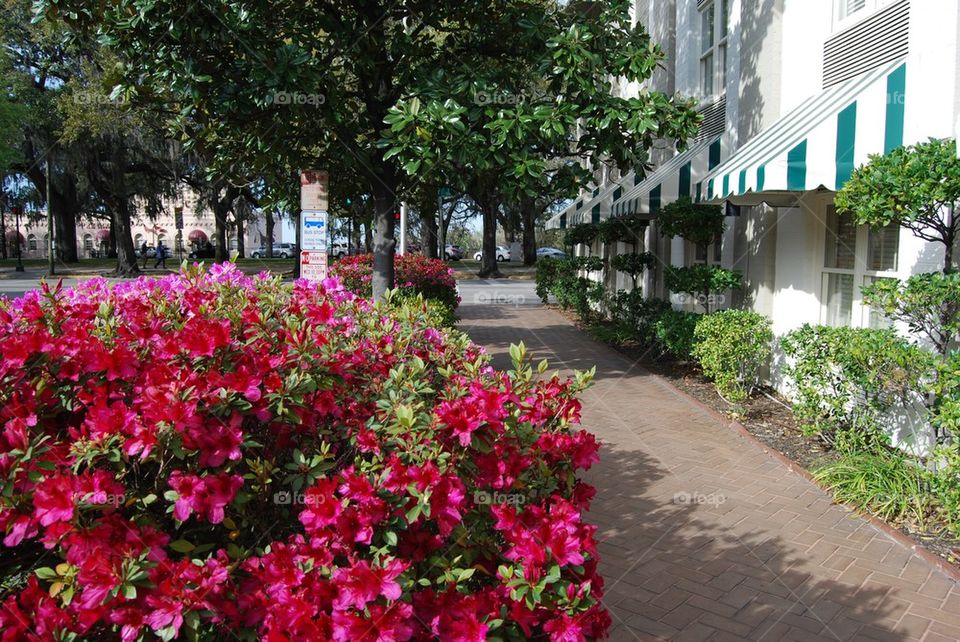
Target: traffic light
{"x": 396, "y": 215}
{"x": 348, "y": 201}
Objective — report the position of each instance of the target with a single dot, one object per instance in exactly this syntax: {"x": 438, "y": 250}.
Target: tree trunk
{"x": 529, "y": 214}
{"x": 240, "y": 241}
{"x": 949, "y": 242}
{"x": 488, "y": 259}
{"x": 268, "y": 242}
{"x": 221, "y": 206}
{"x": 65, "y": 207}
{"x": 120, "y": 217}
{"x": 430, "y": 232}
{"x": 384, "y": 245}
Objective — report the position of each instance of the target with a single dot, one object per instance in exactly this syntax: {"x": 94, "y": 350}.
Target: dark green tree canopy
{"x": 699, "y": 224}
{"x": 917, "y": 187}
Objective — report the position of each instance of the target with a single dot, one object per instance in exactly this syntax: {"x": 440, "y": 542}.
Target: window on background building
{"x": 714, "y": 28}
{"x": 87, "y": 242}
{"x": 854, "y": 257}
{"x": 32, "y": 242}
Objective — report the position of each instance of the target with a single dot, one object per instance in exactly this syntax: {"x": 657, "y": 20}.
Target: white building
{"x": 795, "y": 94}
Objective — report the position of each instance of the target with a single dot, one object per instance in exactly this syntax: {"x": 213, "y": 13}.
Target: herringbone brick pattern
{"x": 706, "y": 537}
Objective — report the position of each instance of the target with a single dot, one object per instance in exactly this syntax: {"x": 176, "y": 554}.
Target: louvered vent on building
{"x": 714, "y": 120}
{"x": 881, "y": 38}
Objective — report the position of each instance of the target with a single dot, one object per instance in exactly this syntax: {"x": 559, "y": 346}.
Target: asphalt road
{"x": 497, "y": 292}
{"x": 472, "y": 292}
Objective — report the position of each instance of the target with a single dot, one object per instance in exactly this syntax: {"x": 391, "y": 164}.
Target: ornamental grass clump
{"x": 213, "y": 456}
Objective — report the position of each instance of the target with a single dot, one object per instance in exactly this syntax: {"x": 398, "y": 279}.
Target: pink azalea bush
{"x": 213, "y": 456}
{"x": 414, "y": 274}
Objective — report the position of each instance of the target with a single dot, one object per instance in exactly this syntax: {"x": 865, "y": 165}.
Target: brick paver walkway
{"x": 706, "y": 537}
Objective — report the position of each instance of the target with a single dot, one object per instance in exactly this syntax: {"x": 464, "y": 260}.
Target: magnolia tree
{"x": 701, "y": 225}
{"x": 917, "y": 187}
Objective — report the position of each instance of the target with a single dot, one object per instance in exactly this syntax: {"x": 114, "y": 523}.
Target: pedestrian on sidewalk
{"x": 161, "y": 256}
{"x": 143, "y": 253}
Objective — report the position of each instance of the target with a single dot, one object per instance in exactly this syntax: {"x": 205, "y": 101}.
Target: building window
{"x": 709, "y": 255}
{"x": 847, "y": 12}
{"x": 846, "y": 8}
{"x": 32, "y": 242}
{"x": 855, "y": 256}
{"x": 714, "y": 27}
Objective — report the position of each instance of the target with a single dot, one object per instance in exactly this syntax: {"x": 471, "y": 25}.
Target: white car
{"x": 338, "y": 250}
{"x": 280, "y": 251}
{"x": 503, "y": 254}
{"x": 552, "y": 252}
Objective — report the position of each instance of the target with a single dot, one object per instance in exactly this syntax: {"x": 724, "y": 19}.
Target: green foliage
{"x": 629, "y": 308}
{"x": 701, "y": 280}
{"x": 845, "y": 379}
{"x": 882, "y": 483}
{"x": 584, "y": 233}
{"x": 911, "y": 186}
{"x": 732, "y": 346}
{"x": 946, "y": 412}
{"x": 624, "y": 229}
{"x": 633, "y": 264}
{"x": 435, "y": 313}
{"x": 928, "y": 303}
{"x": 944, "y": 484}
{"x": 699, "y": 224}
{"x": 674, "y": 331}
{"x": 561, "y": 278}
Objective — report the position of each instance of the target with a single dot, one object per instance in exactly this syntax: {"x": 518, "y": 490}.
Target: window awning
{"x": 583, "y": 209}
{"x": 679, "y": 176}
{"x": 818, "y": 144}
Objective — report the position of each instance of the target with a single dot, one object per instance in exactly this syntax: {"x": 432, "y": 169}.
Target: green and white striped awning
{"x": 679, "y": 176}
{"x": 590, "y": 207}
{"x": 818, "y": 144}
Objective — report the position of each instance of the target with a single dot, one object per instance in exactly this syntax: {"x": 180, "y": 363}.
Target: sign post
{"x": 314, "y": 228}
{"x": 178, "y": 221}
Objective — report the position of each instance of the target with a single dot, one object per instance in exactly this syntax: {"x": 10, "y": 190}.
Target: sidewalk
{"x": 706, "y": 537}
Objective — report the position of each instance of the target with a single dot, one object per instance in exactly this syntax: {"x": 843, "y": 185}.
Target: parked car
{"x": 551, "y": 252}
{"x": 338, "y": 250}
{"x": 280, "y": 251}
{"x": 454, "y": 252}
{"x": 203, "y": 251}
{"x": 503, "y": 254}
{"x": 151, "y": 252}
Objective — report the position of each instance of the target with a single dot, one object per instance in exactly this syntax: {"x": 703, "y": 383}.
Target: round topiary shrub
{"x": 415, "y": 274}
{"x": 211, "y": 456}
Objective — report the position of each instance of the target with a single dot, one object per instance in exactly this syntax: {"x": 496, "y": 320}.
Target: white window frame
{"x": 716, "y": 52}
{"x": 860, "y": 314}
{"x": 843, "y": 18}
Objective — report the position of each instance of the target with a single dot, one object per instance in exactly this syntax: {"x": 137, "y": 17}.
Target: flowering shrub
{"x": 210, "y": 456}
{"x": 415, "y": 274}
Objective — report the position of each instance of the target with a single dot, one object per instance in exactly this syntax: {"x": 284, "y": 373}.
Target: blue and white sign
{"x": 313, "y": 231}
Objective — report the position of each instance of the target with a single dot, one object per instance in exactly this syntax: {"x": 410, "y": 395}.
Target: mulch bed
{"x": 769, "y": 419}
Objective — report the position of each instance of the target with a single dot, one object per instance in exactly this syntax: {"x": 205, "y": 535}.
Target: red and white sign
{"x": 313, "y": 266}
{"x": 314, "y": 190}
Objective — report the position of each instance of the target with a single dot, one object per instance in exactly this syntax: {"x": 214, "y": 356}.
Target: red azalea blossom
{"x": 235, "y": 457}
